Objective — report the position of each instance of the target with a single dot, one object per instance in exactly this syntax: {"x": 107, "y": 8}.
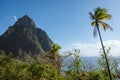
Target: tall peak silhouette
{"x": 25, "y": 21}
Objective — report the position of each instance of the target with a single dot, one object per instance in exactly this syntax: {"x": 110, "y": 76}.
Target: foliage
{"x": 54, "y": 57}
{"x": 44, "y": 72}
{"x": 113, "y": 63}
{"x": 73, "y": 71}
{"x": 97, "y": 17}
{"x": 14, "y": 69}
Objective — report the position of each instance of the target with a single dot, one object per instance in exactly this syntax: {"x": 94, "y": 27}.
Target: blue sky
{"x": 66, "y": 22}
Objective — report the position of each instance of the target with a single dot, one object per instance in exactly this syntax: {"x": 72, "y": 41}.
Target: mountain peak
{"x": 25, "y": 21}
{"x": 26, "y": 37}
{"x": 26, "y": 16}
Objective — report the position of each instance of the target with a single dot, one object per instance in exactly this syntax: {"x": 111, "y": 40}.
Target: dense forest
{"x": 54, "y": 66}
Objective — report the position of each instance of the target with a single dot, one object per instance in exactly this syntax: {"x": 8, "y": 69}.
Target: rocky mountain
{"x": 25, "y": 36}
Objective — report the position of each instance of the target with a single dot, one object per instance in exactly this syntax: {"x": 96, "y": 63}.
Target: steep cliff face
{"x": 25, "y": 35}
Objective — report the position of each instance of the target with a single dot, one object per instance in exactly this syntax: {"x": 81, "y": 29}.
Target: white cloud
{"x": 12, "y": 18}
{"x": 112, "y": 43}
{"x": 93, "y": 49}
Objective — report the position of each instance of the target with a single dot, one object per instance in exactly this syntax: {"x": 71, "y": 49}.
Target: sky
{"x": 66, "y": 22}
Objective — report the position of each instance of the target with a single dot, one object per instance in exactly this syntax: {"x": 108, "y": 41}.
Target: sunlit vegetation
{"x": 69, "y": 67}
{"x": 14, "y": 69}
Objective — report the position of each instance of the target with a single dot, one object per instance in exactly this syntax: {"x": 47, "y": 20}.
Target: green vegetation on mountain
{"x": 14, "y": 69}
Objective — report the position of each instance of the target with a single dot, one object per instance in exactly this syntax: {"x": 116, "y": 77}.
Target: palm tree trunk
{"x": 104, "y": 52}
{"x": 74, "y": 68}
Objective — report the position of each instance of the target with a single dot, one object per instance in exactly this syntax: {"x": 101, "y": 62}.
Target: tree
{"x": 14, "y": 69}
{"x": 113, "y": 63}
{"x": 97, "y": 17}
{"x": 102, "y": 64}
{"x": 74, "y": 64}
{"x": 54, "y": 56}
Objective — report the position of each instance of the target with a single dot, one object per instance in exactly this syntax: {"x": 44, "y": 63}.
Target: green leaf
{"x": 92, "y": 17}
{"x": 93, "y": 23}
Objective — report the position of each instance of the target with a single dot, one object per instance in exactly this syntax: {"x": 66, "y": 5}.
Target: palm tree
{"x": 98, "y": 16}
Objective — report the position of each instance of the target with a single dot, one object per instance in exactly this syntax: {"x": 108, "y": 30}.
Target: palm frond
{"x": 109, "y": 27}
{"x": 93, "y": 23}
{"x": 97, "y": 10}
{"x": 105, "y": 16}
{"x": 95, "y": 32}
{"x": 92, "y": 17}
{"x": 104, "y": 11}
{"x": 99, "y": 15}
{"x": 105, "y": 26}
